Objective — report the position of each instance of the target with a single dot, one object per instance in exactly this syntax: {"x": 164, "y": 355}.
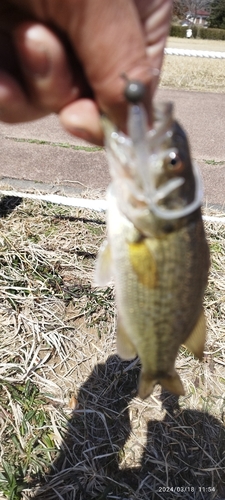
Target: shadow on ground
{"x": 8, "y": 204}
{"x": 184, "y": 456}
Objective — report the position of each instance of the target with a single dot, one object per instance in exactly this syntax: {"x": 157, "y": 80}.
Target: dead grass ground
{"x": 196, "y": 44}
{"x": 194, "y": 73}
{"x": 71, "y": 424}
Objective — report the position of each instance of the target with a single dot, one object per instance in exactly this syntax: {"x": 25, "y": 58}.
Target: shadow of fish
{"x": 156, "y": 250}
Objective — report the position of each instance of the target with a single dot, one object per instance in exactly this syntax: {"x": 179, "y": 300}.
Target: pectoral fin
{"x": 196, "y": 341}
{"x": 172, "y": 383}
{"x": 125, "y": 348}
{"x": 103, "y": 268}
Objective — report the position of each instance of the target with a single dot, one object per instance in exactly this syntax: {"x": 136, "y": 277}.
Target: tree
{"x": 217, "y": 15}
{"x": 181, "y": 7}
{"x": 178, "y": 10}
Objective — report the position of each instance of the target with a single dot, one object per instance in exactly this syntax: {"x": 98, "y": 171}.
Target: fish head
{"x": 174, "y": 179}
{"x": 153, "y": 176}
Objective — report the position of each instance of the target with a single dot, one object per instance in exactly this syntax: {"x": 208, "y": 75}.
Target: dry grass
{"x": 194, "y": 73}
{"x": 71, "y": 424}
{"x": 196, "y": 44}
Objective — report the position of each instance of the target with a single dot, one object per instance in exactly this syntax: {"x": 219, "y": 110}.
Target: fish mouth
{"x": 134, "y": 160}
{"x": 159, "y": 194}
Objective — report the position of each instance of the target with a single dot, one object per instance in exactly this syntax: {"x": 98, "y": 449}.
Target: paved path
{"x": 52, "y": 164}
{"x": 203, "y": 116}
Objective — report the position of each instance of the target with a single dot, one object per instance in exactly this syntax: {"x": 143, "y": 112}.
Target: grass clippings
{"x": 194, "y": 73}
{"x": 71, "y": 424}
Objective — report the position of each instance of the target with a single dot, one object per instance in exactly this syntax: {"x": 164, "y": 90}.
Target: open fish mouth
{"x": 135, "y": 159}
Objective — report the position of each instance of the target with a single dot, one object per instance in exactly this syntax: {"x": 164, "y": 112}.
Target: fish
{"x": 156, "y": 250}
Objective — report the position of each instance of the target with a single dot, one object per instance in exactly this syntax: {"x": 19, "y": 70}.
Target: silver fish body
{"x": 156, "y": 251}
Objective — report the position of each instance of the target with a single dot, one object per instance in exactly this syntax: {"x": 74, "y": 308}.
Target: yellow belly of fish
{"x": 143, "y": 264}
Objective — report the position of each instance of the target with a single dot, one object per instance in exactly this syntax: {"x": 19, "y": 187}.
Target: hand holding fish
{"x": 67, "y": 57}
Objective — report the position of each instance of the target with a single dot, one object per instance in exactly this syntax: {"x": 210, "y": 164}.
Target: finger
{"x": 155, "y": 17}
{"x": 82, "y": 119}
{"x": 14, "y": 105}
{"x": 50, "y": 82}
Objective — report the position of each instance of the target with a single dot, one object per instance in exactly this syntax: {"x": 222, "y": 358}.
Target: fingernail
{"x": 33, "y": 54}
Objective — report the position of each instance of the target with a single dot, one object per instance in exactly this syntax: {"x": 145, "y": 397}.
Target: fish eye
{"x": 174, "y": 162}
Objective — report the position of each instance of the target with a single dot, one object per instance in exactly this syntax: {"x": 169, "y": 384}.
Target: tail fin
{"x": 171, "y": 383}
{"x": 146, "y": 386}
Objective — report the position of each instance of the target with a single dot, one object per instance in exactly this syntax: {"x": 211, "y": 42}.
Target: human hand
{"x": 68, "y": 57}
